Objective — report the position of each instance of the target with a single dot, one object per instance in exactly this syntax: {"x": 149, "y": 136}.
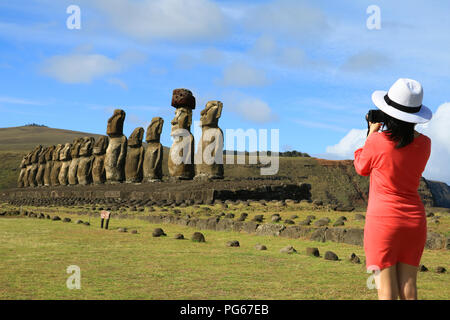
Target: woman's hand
{"x": 374, "y": 127}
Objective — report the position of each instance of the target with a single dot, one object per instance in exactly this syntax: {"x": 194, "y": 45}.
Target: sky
{"x": 306, "y": 68}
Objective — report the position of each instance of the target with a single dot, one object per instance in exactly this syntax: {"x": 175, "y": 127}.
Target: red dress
{"x": 396, "y": 226}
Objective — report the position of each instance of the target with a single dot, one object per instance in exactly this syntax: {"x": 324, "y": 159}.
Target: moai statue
{"x": 117, "y": 148}
{"x": 27, "y": 169}
{"x": 74, "y": 154}
{"x": 84, "y": 172}
{"x": 41, "y": 167}
{"x": 181, "y": 154}
{"x": 135, "y": 157}
{"x": 154, "y": 154}
{"x": 209, "y": 158}
{"x": 64, "y": 157}
{"x": 34, "y": 163}
{"x": 98, "y": 166}
{"x": 48, "y": 165}
{"x": 56, "y": 165}
{"x": 23, "y": 170}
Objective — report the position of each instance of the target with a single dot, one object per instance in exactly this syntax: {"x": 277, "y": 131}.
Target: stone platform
{"x": 189, "y": 192}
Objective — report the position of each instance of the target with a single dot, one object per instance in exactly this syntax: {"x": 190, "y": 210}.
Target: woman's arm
{"x": 363, "y": 156}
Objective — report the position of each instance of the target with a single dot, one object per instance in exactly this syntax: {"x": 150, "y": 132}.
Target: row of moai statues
{"x": 115, "y": 159}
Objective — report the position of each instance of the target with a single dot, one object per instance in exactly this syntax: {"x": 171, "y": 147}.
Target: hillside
{"x": 25, "y": 138}
{"x": 333, "y": 182}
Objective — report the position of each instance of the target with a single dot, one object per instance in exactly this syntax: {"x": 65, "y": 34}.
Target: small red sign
{"x": 105, "y": 214}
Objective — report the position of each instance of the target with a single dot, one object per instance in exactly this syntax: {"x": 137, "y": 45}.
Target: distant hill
{"x": 333, "y": 182}
{"x": 25, "y": 138}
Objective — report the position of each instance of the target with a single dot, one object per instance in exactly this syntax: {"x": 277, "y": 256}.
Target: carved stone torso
{"x": 153, "y": 162}
{"x": 73, "y": 167}
{"x": 34, "y": 167}
{"x": 56, "y": 166}
{"x": 84, "y": 172}
{"x": 211, "y": 151}
{"x": 181, "y": 158}
{"x": 98, "y": 166}
{"x": 41, "y": 168}
{"x": 115, "y": 159}
{"x": 154, "y": 153}
{"x": 48, "y": 165}
{"x": 135, "y": 157}
{"x": 65, "y": 159}
{"x": 23, "y": 170}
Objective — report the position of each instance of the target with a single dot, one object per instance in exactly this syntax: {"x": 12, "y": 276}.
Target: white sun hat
{"x": 403, "y": 101}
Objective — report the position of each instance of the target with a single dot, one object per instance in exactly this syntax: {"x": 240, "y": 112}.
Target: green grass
{"x": 36, "y": 252}
{"x": 9, "y": 168}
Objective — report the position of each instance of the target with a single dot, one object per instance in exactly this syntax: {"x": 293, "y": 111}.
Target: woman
{"x": 395, "y": 158}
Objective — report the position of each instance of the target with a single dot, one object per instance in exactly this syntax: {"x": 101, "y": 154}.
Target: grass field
{"x": 36, "y": 252}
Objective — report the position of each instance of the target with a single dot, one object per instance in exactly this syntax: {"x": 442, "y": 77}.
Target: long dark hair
{"x": 399, "y": 131}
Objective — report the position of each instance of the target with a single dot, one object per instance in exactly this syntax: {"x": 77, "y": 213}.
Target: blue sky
{"x": 307, "y": 68}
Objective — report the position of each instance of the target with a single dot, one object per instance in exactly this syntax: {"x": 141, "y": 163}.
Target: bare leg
{"x": 407, "y": 281}
{"x": 387, "y": 284}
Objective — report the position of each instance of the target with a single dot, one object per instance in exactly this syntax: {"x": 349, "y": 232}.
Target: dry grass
{"x": 36, "y": 252}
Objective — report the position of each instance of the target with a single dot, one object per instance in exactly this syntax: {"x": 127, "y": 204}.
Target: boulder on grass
{"x": 330, "y": 255}
{"x": 198, "y": 237}
{"x": 158, "y": 232}
{"x": 288, "y": 250}
{"x": 233, "y": 243}
{"x": 313, "y": 252}
{"x": 260, "y": 247}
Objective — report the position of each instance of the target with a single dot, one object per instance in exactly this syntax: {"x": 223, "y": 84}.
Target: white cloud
{"x": 12, "y": 100}
{"x": 254, "y": 109}
{"x": 240, "y": 74}
{"x": 165, "y": 19}
{"x": 365, "y": 61}
{"x": 264, "y": 46}
{"x": 346, "y": 147}
{"x": 295, "y": 19}
{"x": 117, "y": 81}
{"x": 320, "y": 125}
{"x": 84, "y": 67}
{"x": 212, "y": 56}
{"x": 293, "y": 57}
{"x": 79, "y": 68}
{"x": 438, "y": 130}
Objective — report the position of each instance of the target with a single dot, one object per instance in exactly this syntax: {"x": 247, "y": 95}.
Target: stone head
{"x": 35, "y": 154}
{"x": 42, "y": 155}
{"x": 87, "y": 145}
{"x": 115, "y": 124}
{"x": 135, "y": 139}
{"x": 57, "y": 152}
{"x": 64, "y": 154}
{"x": 23, "y": 163}
{"x": 183, "y": 98}
{"x": 49, "y": 153}
{"x": 154, "y": 129}
{"x": 182, "y": 119}
{"x": 211, "y": 114}
{"x": 28, "y": 158}
{"x": 75, "y": 149}
{"x": 101, "y": 145}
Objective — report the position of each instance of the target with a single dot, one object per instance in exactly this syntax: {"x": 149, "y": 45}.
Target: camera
{"x": 375, "y": 116}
